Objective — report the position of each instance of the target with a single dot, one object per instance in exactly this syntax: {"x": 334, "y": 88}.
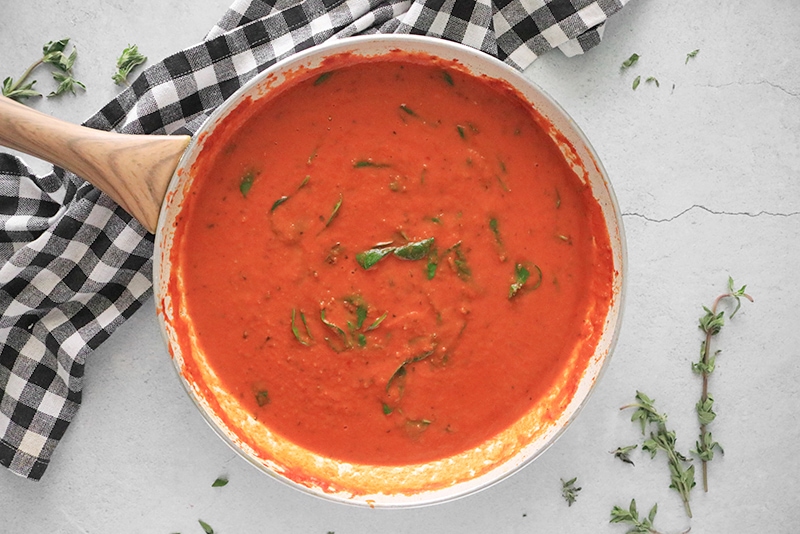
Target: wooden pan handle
{"x": 134, "y": 170}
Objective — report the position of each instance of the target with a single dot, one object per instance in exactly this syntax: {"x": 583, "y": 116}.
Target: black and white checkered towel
{"x": 75, "y": 266}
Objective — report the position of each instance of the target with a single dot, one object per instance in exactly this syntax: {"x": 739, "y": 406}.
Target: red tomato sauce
{"x": 490, "y": 255}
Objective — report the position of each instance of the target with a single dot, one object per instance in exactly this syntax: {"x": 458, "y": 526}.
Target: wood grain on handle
{"x": 134, "y": 170}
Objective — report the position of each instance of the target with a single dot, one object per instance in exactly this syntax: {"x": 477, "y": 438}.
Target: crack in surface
{"x": 713, "y": 212}
{"x": 760, "y": 82}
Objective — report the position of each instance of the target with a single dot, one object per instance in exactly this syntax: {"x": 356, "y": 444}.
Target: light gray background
{"x": 707, "y": 172}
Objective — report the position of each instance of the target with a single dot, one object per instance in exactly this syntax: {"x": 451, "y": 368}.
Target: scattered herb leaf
{"x": 691, "y": 55}
{"x": 460, "y": 262}
{"x": 461, "y": 131}
{"x": 335, "y": 210}
{"x": 408, "y": 110}
{"x": 377, "y": 322}
{"x": 246, "y": 183}
{"x": 369, "y": 163}
{"x": 262, "y": 397}
{"x": 414, "y": 251}
{"x": 447, "y": 78}
{"x": 433, "y": 264}
{"x": 370, "y": 257}
{"x": 322, "y": 78}
{"x": 569, "y": 491}
{"x": 220, "y": 482}
{"x": 126, "y": 62}
{"x": 521, "y": 275}
{"x": 636, "y": 82}
{"x": 623, "y": 453}
{"x": 296, "y": 331}
{"x": 206, "y": 527}
{"x": 652, "y": 79}
{"x": 387, "y": 409}
{"x": 630, "y": 61}
{"x": 278, "y": 203}
{"x": 65, "y": 83}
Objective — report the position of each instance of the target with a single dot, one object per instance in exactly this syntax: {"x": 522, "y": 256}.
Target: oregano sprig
{"x": 53, "y": 53}
{"x": 631, "y": 517}
{"x": 126, "y": 62}
{"x": 711, "y": 323}
{"x": 681, "y": 474}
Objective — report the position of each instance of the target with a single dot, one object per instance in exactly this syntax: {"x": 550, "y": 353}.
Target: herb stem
{"x": 26, "y": 74}
{"x": 711, "y": 327}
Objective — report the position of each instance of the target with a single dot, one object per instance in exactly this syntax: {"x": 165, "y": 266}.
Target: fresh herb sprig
{"x": 569, "y": 491}
{"x": 631, "y": 517}
{"x": 53, "y": 53}
{"x": 126, "y": 62}
{"x": 624, "y": 453}
{"x": 711, "y": 323}
{"x": 681, "y": 474}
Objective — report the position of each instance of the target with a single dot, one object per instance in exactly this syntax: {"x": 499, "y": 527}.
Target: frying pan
{"x": 150, "y": 176}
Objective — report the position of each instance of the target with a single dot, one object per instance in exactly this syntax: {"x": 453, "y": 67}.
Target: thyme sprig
{"x": 711, "y": 323}
{"x": 681, "y": 474}
{"x": 631, "y": 517}
{"x": 569, "y": 491}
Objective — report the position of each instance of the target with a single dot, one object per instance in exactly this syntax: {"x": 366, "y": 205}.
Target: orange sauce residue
{"x": 492, "y": 274}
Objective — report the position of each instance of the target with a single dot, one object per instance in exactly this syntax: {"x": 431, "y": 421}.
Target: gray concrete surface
{"x": 707, "y": 171}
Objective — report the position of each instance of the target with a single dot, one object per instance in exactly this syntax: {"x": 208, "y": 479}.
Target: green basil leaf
{"x": 414, "y": 251}
{"x": 370, "y": 257}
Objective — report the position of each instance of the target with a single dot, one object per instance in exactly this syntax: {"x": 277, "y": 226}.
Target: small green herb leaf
{"x": 652, "y": 79}
{"x": 369, "y": 163}
{"x": 691, "y": 55}
{"x": 335, "y": 210}
{"x": 569, "y": 491}
{"x": 14, "y": 91}
{"x": 447, "y": 78}
{"x": 126, "y": 62}
{"x": 408, "y": 110}
{"x": 296, "y": 331}
{"x": 246, "y": 183}
{"x": 262, "y": 397}
{"x": 323, "y": 78}
{"x": 521, "y": 275}
{"x": 387, "y": 409}
{"x": 333, "y": 327}
{"x": 206, "y": 527}
{"x": 65, "y": 83}
{"x": 370, "y": 257}
{"x": 631, "y": 517}
{"x": 623, "y": 453}
{"x": 433, "y": 264}
{"x": 414, "y": 251}
{"x": 220, "y": 482}
{"x": 460, "y": 262}
{"x": 461, "y": 132}
{"x": 630, "y": 61}
{"x": 636, "y": 82}
{"x": 377, "y": 322}
{"x": 278, "y": 203}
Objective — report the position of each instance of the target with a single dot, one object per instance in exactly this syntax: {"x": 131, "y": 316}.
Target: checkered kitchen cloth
{"x": 75, "y": 266}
